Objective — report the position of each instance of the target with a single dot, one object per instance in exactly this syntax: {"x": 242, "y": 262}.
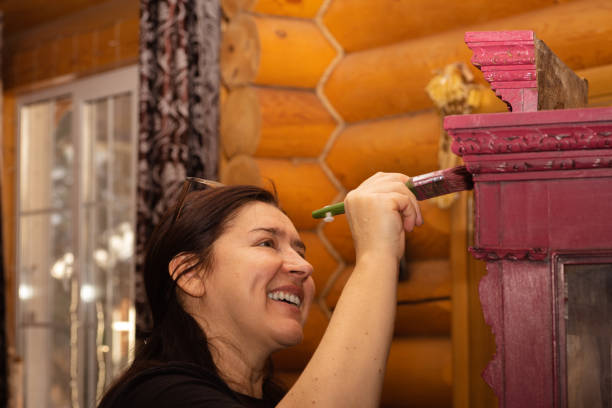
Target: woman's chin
{"x": 290, "y": 337}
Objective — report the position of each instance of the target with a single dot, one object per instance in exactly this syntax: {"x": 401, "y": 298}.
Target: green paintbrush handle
{"x": 338, "y": 208}
{"x": 334, "y": 209}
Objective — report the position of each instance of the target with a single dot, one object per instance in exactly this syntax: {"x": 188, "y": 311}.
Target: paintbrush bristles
{"x": 441, "y": 182}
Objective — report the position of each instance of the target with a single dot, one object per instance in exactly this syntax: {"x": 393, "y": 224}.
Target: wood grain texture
{"x": 269, "y": 122}
{"x": 287, "y": 8}
{"x": 524, "y": 72}
{"x": 600, "y": 84}
{"x": 274, "y": 51}
{"x": 407, "y": 144}
{"x": 366, "y": 24}
{"x": 92, "y": 40}
{"x": 391, "y": 80}
{"x": 418, "y": 373}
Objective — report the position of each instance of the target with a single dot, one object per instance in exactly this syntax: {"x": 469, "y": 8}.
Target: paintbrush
{"x": 425, "y": 186}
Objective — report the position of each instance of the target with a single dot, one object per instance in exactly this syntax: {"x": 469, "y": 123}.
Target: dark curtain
{"x": 179, "y": 90}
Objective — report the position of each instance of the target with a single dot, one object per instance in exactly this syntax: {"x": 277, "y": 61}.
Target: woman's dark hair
{"x": 175, "y": 335}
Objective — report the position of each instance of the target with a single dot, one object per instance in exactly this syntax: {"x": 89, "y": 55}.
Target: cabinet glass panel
{"x": 588, "y": 325}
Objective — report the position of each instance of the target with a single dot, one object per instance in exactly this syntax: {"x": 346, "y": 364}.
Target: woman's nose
{"x": 297, "y": 265}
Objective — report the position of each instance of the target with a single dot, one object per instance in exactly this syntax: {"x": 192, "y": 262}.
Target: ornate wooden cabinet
{"x": 543, "y": 224}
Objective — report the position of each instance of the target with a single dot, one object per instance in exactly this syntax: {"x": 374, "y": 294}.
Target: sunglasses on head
{"x": 190, "y": 184}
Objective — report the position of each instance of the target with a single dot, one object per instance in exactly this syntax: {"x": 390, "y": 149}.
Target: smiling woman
{"x": 228, "y": 284}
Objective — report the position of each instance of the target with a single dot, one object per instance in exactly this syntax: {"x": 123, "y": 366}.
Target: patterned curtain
{"x": 179, "y": 90}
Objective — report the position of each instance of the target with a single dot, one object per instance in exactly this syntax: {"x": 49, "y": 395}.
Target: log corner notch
{"x": 524, "y": 72}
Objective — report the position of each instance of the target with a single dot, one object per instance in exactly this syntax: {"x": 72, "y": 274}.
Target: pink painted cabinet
{"x": 543, "y": 224}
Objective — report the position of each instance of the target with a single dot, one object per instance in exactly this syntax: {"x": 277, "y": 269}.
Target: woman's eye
{"x": 266, "y": 243}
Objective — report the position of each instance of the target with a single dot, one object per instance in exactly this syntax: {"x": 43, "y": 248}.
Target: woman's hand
{"x": 379, "y": 212}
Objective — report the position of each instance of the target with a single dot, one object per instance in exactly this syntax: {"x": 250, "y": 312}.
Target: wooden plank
{"x": 81, "y": 44}
{"x": 85, "y": 45}
{"x": 66, "y": 51}
{"x": 88, "y": 19}
{"x": 107, "y": 41}
{"x": 21, "y": 15}
{"x": 128, "y": 37}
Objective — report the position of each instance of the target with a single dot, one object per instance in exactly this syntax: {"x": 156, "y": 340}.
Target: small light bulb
{"x": 88, "y": 293}
{"x": 25, "y": 292}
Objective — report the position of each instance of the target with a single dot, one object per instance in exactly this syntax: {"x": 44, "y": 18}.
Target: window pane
{"x": 97, "y": 151}
{"x": 123, "y": 150}
{"x": 46, "y": 155}
{"x": 108, "y": 238}
{"x": 47, "y": 262}
{"x": 47, "y": 367}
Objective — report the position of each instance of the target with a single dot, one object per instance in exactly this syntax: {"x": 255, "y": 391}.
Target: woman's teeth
{"x": 287, "y": 297}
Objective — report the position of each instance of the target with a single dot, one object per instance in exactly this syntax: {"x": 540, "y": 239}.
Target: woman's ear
{"x": 192, "y": 281}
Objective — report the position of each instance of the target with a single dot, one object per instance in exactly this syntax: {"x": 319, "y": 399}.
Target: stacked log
{"x": 391, "y": 80}
{"x": 299, "y": 9}
{"x": 268, "y": 122}
{"x": 378, "y": 23}
{"x": 274, "y": 51}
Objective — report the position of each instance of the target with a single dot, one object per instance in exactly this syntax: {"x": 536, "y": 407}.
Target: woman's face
{"x": 260, "y": 288}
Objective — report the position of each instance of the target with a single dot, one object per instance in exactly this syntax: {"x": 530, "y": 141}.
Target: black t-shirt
{"x": 179, "y": 385}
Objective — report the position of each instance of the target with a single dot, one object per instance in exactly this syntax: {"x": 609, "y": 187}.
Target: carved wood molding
{"x": 524, "y": 72}
{"x": 554, "y": 161}
{"x": 531, "y": 139}
{"x": 508, "y": 62}
{"x": 509, "y": 254}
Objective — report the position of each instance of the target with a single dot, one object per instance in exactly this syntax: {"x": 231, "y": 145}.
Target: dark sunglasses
{"x": 190, "y": 184}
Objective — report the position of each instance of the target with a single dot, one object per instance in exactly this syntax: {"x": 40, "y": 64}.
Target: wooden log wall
{"x": 321, "y": 94}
